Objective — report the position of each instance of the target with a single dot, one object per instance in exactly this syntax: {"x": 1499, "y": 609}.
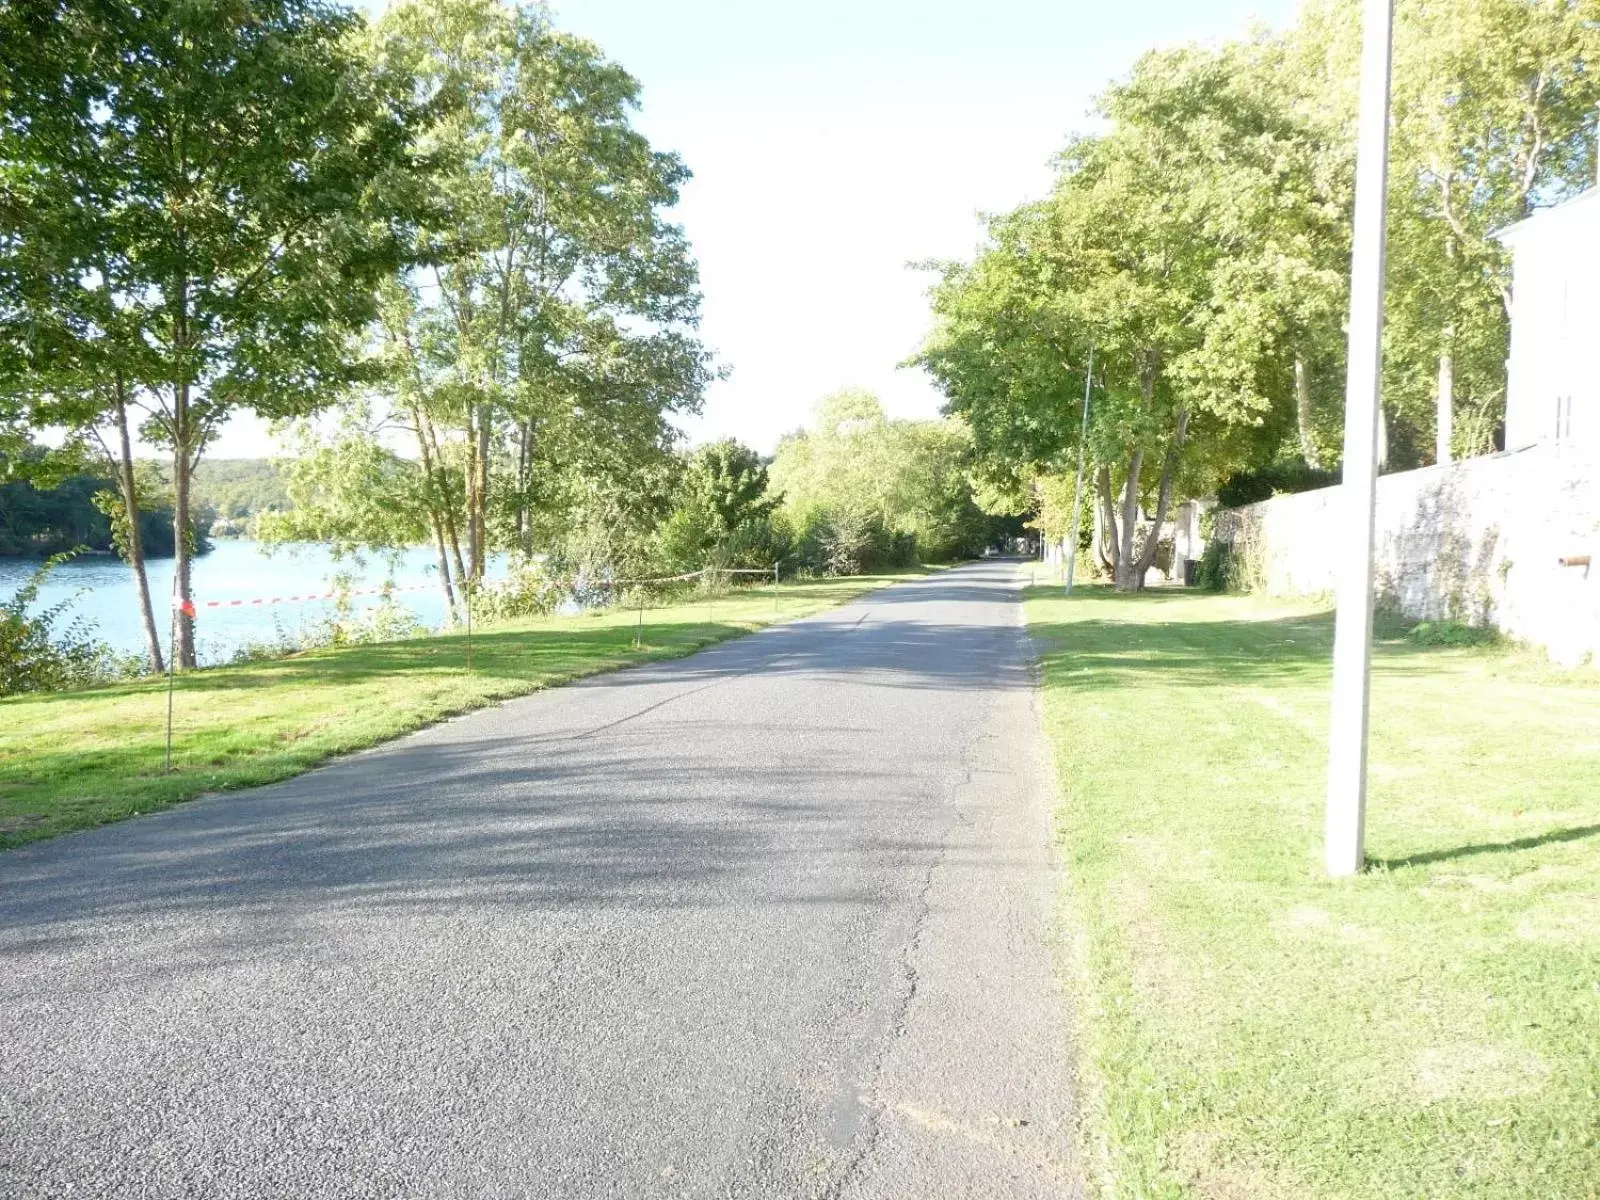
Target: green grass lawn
{"x": 1250, "y": 1028}
{"x": 74, "y": 759}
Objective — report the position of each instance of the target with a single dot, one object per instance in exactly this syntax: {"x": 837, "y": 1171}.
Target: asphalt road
{"x": 776, "y": 920}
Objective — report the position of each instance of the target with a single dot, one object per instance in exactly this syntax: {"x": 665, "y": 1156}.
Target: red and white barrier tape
{"x": 310, "y": 596}
{"x": 685, "y": 577}
{"x": 423, "y": 587}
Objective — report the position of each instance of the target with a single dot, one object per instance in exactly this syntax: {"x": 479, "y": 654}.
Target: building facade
{"x": 1553, "y": 375}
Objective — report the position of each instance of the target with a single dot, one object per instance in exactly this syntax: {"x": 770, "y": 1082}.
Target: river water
{"x": 102, "y": 590}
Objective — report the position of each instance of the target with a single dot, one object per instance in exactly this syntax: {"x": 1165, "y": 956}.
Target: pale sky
{"x": 834, "y": 142}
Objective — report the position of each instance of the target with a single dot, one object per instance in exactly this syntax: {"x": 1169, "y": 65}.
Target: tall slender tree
{"x": 556, "y": 307}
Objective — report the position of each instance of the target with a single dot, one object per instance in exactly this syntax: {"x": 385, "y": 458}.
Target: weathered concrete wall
{"x": 1480, "y": 541}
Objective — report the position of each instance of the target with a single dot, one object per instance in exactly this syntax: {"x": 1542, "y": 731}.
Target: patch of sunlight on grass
{"x": 1253, "y": 1029}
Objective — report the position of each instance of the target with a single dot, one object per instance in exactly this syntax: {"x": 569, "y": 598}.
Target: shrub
{"x": 843, "y": 542}
{"x": 1215, "y": 567}
{"x": 847, "y": 541}
{"x": 1229, "y": 567}
{"x": 49, "y": 650}
{"x": 529, "y": 589}
{"x": 1451, "y": 633}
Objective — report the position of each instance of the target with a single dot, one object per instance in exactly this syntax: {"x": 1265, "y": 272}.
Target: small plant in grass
{"x": 529, "y": 589}
{"x": 1452, "y": 633}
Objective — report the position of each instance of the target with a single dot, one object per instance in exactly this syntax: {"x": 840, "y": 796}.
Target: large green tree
{"x": 856, "y": 474}
{"x": 1200, "y": 246}
{"x": 199, "y": 199}
{"x": 1495, "y": 110}
{"x": 550, "y": 329}
{"x": 1161, "y": 250}
{"x": 722, "y": 510}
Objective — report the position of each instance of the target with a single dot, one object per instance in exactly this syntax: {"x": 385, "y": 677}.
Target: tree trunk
{"x": 444, "y": 565}
{"x": 1129, "y": 579}
{"x": 524, "y": 485}
{"x": 1106, "y": 542}
{"x": 1302, "y": 411}
{"x": 183, "y": 655}
{"x": 1383, "y": 439}
{"x": 472, "y": 506}
{"x": 130, "y": 506}
{"x": 438, "y": 507}
{"x": 1446, "y": 400}
{"x": 447, "y": 499}
{"x": 478, "y": 494}
{"x": 1169, "y": 474}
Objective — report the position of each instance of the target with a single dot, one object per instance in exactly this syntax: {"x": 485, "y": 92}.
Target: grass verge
{"x": 1252, "y": 1029}
{"x": 70, "y": 760}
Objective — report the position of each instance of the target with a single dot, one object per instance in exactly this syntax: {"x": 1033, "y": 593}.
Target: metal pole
{"x": 172, "y": 645}
{"x": 1077, "y": 492}
{"x": 1352, "y": 639}
{"x": 638, "y": 633}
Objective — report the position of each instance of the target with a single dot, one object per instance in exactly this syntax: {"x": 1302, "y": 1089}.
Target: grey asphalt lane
{"x": 775, "y": 920}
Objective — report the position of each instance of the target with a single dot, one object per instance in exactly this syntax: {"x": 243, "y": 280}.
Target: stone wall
{"x": 1481, "y": 541}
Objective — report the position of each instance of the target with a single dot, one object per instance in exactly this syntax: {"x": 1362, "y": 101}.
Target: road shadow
{"x": 553, "y": 818}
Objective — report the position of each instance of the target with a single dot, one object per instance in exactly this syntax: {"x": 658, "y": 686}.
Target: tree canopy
{"x": 1199, "y": 246}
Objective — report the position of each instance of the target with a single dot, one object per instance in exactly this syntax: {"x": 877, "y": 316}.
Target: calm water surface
{"x": 102, "y": 590}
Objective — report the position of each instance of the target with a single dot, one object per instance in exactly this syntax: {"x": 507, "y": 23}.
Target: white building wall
{"x": 1553, "y": 388}
{"x": 1488, "y": 541}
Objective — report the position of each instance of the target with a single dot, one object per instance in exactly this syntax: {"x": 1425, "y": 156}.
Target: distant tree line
{"x": 49, "y": 507}
{"x": 231, "y": 492}
{"x": 45, "y": 512}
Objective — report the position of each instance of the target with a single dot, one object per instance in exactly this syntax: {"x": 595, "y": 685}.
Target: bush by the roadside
{"x": 1216, "y": 568}
{"x": 1452, "y": 633}
{"x": 846, "y": 541}
{"x": 1230, "y": 567}
{"x": 528, "y": 589}
{"x": 49, "y": 649}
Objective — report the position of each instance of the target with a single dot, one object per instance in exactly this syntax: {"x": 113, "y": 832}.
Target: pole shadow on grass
{"x": 1576, "y": 833}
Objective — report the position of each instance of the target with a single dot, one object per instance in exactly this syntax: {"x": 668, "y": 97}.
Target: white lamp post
{"x": 1352, "y": 640}
{"x": 1077, "y": 492}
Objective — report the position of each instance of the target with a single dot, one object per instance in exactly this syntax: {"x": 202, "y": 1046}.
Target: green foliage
{"x": 234, "y": 491}
{"x": 865, "y": 492}
{"x": 528, "y": 589}
{"x": 850, "y": 541}
{"x": 1215, "y": 571}
{"x": 1273, "y": 479}
{"x": 723, "y": 512}
{"x": 1452, "y": 633}
{"x": 49, "y": 650}
{"x": 1199, "y": 245}
{"x": 550, "y": 333}
{"x": 1230, "y": 567}
{"x": 349, "y": 491}
{"x": 198, "y": 201}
